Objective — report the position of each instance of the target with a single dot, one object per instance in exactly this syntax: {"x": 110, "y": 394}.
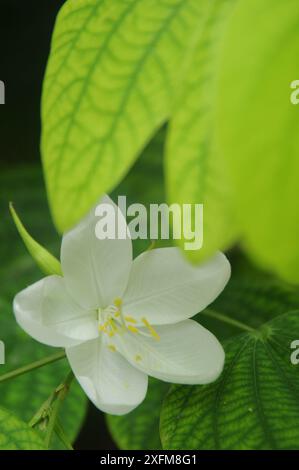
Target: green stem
{"x": 32, "y": 366}
{"x": 61, "y": 435}
{"x": 221, "y": 317}
{"x": 61, "y": 392}
{"x": 43, "y": 412}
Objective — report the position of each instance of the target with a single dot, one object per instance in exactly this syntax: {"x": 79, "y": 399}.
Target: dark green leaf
{"x": 254, "y": 404}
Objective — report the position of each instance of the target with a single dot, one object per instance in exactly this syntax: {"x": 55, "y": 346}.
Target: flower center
{"x": 111, "y": 321}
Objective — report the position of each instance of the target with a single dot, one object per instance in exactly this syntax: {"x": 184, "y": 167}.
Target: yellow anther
{"x": 117, "y": 314}
{"x": 138, "y": 358}
{"x": 118, "y": 302}
{"x": 130, "y": 319}
{"x": 112, "y": 347}
{"x": 151, "y": 329}
{"x": 102, "y": 328}
{"x": 132, "y": 329}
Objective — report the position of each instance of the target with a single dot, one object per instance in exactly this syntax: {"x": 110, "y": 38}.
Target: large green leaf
{"x": 110, "y": 83}
{"x": 140, "y": 428}
{"x": 195, "y": 169}
{"x": 24, "y": 395}
{"x": 16, "y": 435}
{"x": 254, "y": 404}
{"x": 258, "y": 128}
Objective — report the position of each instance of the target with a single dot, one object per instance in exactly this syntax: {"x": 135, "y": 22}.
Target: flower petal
{"x": 110, "y": 382}
{"x": 186, "y": 353}
{"x": 96, "y": 271}
{"x": 165, "y": 288}
{"x": 48, "y": 314}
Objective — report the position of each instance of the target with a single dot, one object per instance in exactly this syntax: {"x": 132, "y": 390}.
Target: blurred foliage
{"x": 25, "y": 187}
{"x": 16, "y": 435}
{"x": 24, "y": 395}
{"x": 257, "y": 129}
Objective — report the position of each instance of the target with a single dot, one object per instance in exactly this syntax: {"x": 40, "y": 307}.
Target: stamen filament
{"x": 112, "y": 324}
{"x": 133, "y": 329}
{"x": 130, "y": 319}
{"x": 116, "y": 322}
{"x": 151, "y": 329}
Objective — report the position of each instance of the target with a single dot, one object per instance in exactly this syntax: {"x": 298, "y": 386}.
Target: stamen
{"x": 111, "y": 322}
{"x": 102, "y": 328}
{"x": 130, "y": 319}
{"x": 151, "y": 329}
{"x": 112, "y": 347}
{"x": 132, "y": 329}
{"x": 118, "y": 302}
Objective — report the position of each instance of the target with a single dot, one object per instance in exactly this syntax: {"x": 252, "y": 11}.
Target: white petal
{"x": 186, "y": 353}
{"x": 96, "y": 271}
{"x": 110, "y": 382}
{"x": 165, "y": 288}
{"x": 48, "y": 314}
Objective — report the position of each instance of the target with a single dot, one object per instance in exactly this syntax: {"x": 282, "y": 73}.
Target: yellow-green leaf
{"x": 195, "y": 169}
{"x": 111, "y": 79}
{"x": 45, "y": 260}
{"x": 17, "y": 435}
{"x": 258, "y": 126}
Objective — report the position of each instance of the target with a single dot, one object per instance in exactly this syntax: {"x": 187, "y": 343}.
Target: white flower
{"x": 121, "y": 320}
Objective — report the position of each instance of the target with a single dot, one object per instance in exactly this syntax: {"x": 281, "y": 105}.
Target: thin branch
{"x": 33, "y": 366}
{"x": 225, "y": 319}
{"x": 61, "y": 393}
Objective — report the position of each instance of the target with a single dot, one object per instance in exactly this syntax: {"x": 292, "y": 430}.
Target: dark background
{"x": 25, "y": 34}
